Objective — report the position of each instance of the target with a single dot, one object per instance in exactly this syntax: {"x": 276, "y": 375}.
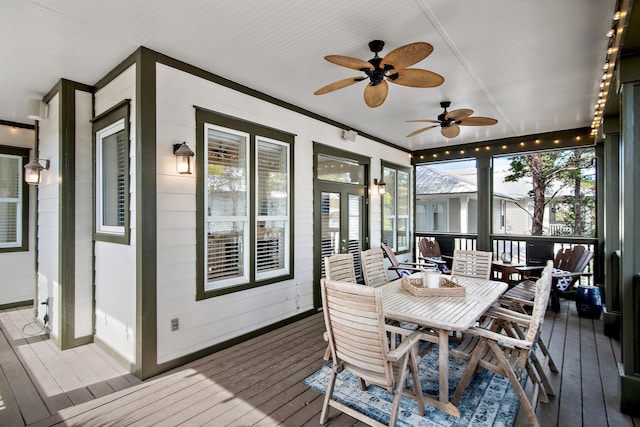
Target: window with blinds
{"x": 11, "y": 201}
{"x": 227, "y": 185}
{"x": 396, "y": 207}
{"x": 272, "y": 193}
{"x": 247, "y": 199}
{"x": 112, "y": 176}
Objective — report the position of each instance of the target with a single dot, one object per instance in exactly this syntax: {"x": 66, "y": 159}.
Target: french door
{"x": 340, "y": 211}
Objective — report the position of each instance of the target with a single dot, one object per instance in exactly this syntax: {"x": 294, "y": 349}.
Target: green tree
{"x": 550, "y": 172}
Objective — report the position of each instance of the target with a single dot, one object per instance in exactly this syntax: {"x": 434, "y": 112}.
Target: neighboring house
{"x": 446, "y": 201}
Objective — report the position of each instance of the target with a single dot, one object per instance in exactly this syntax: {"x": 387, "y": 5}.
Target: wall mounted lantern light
{"x": 382, "y": 187}
{"x": 33, "y": 171}
{"x": 183, "y": 158}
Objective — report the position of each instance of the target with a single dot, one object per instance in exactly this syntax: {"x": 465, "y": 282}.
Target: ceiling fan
{"x": 450, "y": 121}
{"x": 392, "y": 68}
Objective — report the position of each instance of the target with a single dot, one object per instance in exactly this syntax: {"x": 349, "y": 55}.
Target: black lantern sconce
{"x": 33, "y": 171}
{"x": 183, "y": 158}
{"x": 382, "y": 187}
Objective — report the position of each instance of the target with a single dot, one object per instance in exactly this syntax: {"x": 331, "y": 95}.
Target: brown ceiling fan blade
{"x": 478, "y": 121}
{"x": 451, "y": 131}
{"x": 338, "y": 85}
{"x": 349, "y": 62}
{"x": 374, "y": 96}
{"x": 415, "y": 132}
{"x": 460, "y": 114}
{"x": 416, "y": 77}
{"x": 407, "y": 55}
{"x": 423, "y": 121}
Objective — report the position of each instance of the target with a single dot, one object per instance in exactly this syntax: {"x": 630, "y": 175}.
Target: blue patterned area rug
{"x": 489, "y": 400}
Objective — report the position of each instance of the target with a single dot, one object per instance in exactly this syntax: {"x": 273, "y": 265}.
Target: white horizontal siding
{"x": 115, "y": 264}
{"x": 48, "y": 217}
{"x": 205, "y": 323}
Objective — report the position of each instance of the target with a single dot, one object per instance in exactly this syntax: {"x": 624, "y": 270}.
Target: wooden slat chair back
{"x": 357, "y": 336}
{"x": 373, "y": 269}
{"x": 504, "y": 349}
{"x": 340, "y": 267}
{"x": 471, "y": 264}
{"x": 430, "y": 252}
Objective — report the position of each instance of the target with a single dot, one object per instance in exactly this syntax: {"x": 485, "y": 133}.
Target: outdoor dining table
{"x": 442, "y": 315}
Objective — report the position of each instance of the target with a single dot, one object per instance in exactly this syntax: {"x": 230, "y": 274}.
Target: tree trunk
{"x": 577, "y": 207}
{"x": 535, "y": 165}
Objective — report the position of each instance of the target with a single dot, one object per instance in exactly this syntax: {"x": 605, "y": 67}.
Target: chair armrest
{"x": 437, "y": 261}
{"x": 509, "y": 299}
{"x": 502, "y": 313}
{"x": 406, "y": 345}
{"x": 500, "y": 338}
{"x": 530, "y": 268}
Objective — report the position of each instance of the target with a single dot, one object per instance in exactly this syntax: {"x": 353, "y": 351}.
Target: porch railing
{"x": 527, "y": 250}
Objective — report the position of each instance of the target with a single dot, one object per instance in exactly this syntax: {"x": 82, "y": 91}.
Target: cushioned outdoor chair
{"x": 503, "y": 344}
{"x": 471, "y": 264}
{"x": 405, "y": 268}
{"x": 569, "y": 266}
{"x": 430, "y": 252}
{"x": 373, "y": 269}
{"x": 357, "y": 335}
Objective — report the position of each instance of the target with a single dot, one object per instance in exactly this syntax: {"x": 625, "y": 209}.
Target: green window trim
{"x": 396, "y": 207}
{"x": 117, "y": 118}
{"x": 22, "y": 216}
{"x": 261, "y": 225}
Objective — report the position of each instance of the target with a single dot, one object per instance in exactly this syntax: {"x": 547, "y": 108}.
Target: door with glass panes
{"x": 340, "y": 210}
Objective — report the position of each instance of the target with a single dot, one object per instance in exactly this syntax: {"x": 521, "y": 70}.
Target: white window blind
{"x": 227, "y": 206}
{"x": 112, "y": 175}
{"x": 272, "y": 190}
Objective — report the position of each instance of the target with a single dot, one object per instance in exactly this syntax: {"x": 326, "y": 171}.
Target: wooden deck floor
{"x": 259, "y": 382}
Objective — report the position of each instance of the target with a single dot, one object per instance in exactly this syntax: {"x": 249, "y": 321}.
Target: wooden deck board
{"x": 259, "y": 382}
{"x": 592, "y": 397}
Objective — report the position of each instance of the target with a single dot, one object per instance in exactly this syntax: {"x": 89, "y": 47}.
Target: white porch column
{"x": 464, "y": 214}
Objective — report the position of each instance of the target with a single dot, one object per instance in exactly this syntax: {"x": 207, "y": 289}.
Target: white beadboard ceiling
{"x": 534, "y": 65}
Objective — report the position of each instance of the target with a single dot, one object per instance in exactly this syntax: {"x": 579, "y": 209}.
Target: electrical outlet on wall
{"x": 174, "y": 325}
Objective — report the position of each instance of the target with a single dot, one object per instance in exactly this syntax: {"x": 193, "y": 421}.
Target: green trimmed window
{"x": 246, "y": 184}
{"x": 396, "y": 207}
{"x": 14, "y": 200}
{"x": 111, "y": 153}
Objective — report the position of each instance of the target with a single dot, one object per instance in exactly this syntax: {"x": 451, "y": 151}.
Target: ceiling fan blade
{"x": 451, "y": 131}
{"x": 421, "y": 130}
{"x": 460, "y": 114}
{"x": 416, "y": 77}
{"x": 425, "y": 121}
{"x": 478, "y": 121}
{"x": 407, "y": 55}
{"x": 349, "y": 62}
{"x": 338, "y": 85}
{"x": 374, "y": 96}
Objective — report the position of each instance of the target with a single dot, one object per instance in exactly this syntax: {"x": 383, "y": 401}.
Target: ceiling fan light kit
{"x": 450, "y": 121}
{"x": 393, "y": 68}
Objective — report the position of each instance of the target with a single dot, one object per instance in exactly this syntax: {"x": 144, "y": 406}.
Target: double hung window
{"x": 246, "y": 183}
